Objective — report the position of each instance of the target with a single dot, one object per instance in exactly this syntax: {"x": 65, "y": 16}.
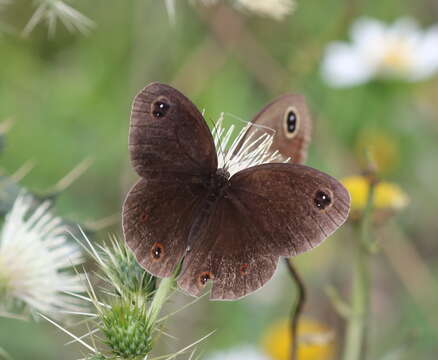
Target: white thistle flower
{"x": 34, "y": 256}
{"x": 400, "y": 51}
{"x": 240, "y": 353}
{"x": 254, "y": 150}
{"x": 52, "y": 11}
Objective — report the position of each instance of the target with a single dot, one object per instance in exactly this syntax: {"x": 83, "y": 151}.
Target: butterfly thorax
{"x": 218, "y": 183}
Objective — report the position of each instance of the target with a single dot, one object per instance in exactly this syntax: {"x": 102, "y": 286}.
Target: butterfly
{"x": 228, "y": 230}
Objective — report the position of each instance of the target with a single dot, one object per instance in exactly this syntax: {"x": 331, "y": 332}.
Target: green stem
{"x": 356, "y": 332}
{"x": 167, "y": 285}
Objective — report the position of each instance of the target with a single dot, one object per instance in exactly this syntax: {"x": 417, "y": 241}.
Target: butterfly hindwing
{"x": 157, "y": 217}
{"x": 229, "y": 251}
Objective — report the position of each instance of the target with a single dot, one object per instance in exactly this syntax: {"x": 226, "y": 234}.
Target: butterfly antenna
{"x": 258, "y": 149}
{"x": 264, "y": 127}
{"x": 211, "y": 124}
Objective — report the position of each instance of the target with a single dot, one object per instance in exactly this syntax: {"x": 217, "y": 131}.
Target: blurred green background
{"x": 70, "y": 96}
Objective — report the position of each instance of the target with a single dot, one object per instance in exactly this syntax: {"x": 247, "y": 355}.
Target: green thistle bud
{"x": 127, "y": 329}
{"x": 126, "y": 315}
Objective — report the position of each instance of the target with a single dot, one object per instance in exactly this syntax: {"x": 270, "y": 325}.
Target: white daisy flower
{"x": 253, "y": 151}
{"x": 400, "y": 51}
{"x": 239, "y": 353}
{"x": 34, "y": 256}
{"x": 52, "y": 11}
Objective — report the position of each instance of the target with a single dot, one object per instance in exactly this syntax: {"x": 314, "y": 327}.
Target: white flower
{"x": 34, "y": 256}
{"x": 400, "y": 51}
{"x": 52, "y": 11}
{"x": 277, "y": 9}
{"x": 240, "y": 353}
{"x": 253, "y": 151}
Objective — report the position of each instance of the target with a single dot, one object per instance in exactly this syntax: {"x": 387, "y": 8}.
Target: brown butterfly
{"x": 228, "y": 230}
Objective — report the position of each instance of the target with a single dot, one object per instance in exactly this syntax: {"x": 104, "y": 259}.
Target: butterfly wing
{"x": 290, "y": 118}
{"x": 173, "y": 151}
{"x": 224, "y": 249}
{"x": 269, "y": 211}
{"x": 169, "y": 135}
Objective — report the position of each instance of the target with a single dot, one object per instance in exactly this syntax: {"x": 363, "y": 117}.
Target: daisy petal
{"x": 344, "y": 66}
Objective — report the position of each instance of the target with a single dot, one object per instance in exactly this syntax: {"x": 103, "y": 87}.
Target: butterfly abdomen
{"x": 217, "y": 186}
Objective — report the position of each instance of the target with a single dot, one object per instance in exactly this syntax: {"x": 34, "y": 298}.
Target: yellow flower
{"x": 316, "y": 341}
{"x": 388, "y": 196}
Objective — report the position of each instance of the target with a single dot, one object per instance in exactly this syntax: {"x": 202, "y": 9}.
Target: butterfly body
{"x": 229, "y": 229}
{"x": 220, "y": 181}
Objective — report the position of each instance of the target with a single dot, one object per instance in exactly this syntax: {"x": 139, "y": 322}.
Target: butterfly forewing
{"x": 288, "y": 118}
{"x": 168, "y": 135}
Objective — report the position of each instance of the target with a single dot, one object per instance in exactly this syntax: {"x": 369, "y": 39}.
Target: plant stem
{"x": 167, "y": 285}
{"x": 356, "y": 333}
{"x": 164, "y": 289}
{"x": 297, "y": 308}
